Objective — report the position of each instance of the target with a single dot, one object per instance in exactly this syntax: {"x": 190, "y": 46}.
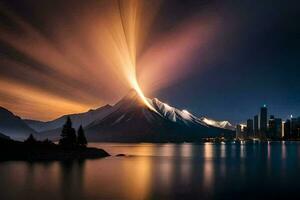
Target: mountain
{"x": 220, "y": 124}
{"x": 13, "y": 126}
{"x": 184, "y": 117}
{"x": 77, "y": 120}
{"x": 130, "y": 120}
{"x": 5, "y": 137}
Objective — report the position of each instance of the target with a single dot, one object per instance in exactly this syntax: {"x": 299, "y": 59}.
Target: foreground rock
{"x": 45, "y": 151}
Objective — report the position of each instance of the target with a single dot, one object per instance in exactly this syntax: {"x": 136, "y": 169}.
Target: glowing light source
{"x": 126, "y": 40}
{"x": 142, "y": 96}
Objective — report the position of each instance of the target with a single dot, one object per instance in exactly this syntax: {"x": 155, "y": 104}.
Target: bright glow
{"x": 39, "y": 100}
{"x": 94, "y": 55}
{"x": 186, "y": 114}
{"x": 130, "y": 18}
{"x": 169, "y": 58}
{"x": 167, "y": 106}
{"x": 142, "y": 96}
{"x": 221, "y": 124}
{"x": 185, "y": 111}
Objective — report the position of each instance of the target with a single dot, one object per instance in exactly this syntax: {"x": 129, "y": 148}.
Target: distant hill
{"x": 2, "y": 136}
{"x": 13, "y": 126}
{"x": 77, "y": 119}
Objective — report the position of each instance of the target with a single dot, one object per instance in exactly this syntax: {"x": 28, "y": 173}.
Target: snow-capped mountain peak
{"x": 185, "y": 116}
{"x": 220, "y": 124}
{"x": 130, "y": 119}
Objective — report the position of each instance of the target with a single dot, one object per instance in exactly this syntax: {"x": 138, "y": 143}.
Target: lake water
{"x": 163, "y": 171}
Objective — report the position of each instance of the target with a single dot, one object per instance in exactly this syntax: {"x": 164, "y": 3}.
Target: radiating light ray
{"x": 170, "y": 58}
{"x": 124, "y": 35}
{"x": 38, "y": 100}
{"x": 93, "y": 55}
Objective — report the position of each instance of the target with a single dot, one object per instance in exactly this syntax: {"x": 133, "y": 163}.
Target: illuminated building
{"x": 272, "y": 127}
{"x": 239, "y": 133}
{"x": 275, "y": 127}
{"x": 263, "y": 120}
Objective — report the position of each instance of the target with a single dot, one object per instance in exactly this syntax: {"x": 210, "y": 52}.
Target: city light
{"x": 268, "y": 128}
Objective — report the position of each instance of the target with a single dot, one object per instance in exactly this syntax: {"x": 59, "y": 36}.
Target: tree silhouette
{"x": 47, "y": 142}
{"x": 81, "y": 139}
{"x": 68, "y": 135}
{"x": 30, "y": 140}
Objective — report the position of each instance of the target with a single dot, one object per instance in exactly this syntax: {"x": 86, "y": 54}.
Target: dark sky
{"x": 256, "y": 62}
{"x": 253, "y": 60}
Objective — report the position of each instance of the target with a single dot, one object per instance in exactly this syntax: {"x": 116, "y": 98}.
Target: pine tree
{"x": 68, "y": 135}
{"x": 30, "y": 140}
{"x": 81, "y": 140}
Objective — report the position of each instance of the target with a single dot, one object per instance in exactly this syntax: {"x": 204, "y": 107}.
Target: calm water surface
{"x": 163, "y": 171}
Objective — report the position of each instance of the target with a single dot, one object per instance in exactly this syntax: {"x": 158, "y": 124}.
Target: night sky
{"x": 222, "y": 59}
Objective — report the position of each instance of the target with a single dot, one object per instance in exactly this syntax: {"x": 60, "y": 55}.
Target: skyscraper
{"x": 287, "y": 129}
{"x": 263, "y": 120}
{"x": 238, "y": 133}
{"x": 295, "y": 127}
{"x": 249, "y": 127}
{"x": 255, "y": 125}
{"x": 272, "y": 127}
{"x": 278, "y": 127}
{"x": 275, "y": 128}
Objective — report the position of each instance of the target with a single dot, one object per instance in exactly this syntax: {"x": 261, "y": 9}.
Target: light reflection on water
{"x": 161, "y": 171}
{"x": 208, "y": 169}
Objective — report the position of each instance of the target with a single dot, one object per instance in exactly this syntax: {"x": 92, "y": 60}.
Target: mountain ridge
{"x": 13, "y": 126}
{"x": 130, "y": 119}
{"x": 78, "y": 119}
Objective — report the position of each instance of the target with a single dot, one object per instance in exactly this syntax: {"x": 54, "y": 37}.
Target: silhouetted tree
{"x": 68, "y": 135}
{"x": 30, "y": 140}
{"x": 81, "y": 139}
{"x": 47, "y": 142}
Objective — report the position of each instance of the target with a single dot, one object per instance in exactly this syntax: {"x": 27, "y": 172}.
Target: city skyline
{"x": 265, "y": 125}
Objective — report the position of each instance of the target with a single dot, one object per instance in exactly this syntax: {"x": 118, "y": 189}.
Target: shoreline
{"x": 19, "y": 151}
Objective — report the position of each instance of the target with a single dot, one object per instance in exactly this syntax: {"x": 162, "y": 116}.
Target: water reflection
{"x": 160, "y": 171}
{"x": 269, "y": 151}
{"x": 71, "y": 179}
{"x": 283, "y": 150}
{"x": 186, "y": 150}
{"x": 208, "y": 150}
{"x": 137, "y": 186}
{"x": 223, "y": 150}
{"x": 269, "y": 158}
{"x": 208, "y": 171}
{"x": 185, "y": 160}
{"x": 223, "y": 161}
{"x": 233, "y": 151}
